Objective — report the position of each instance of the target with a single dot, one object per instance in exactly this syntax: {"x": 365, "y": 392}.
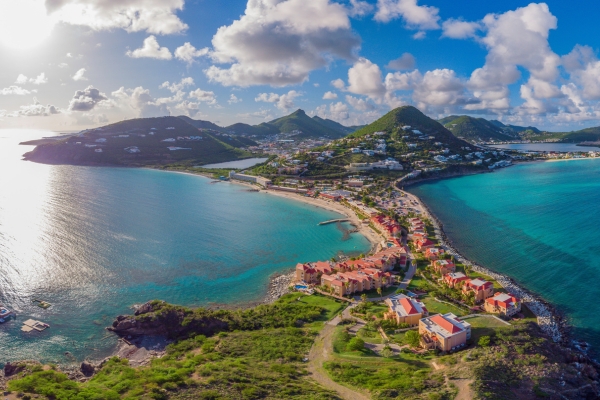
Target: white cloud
{"x": 279, "y": 42}
{"x": 178, "y": 86}
{"x": 439, "y": 88}
{"x": 140, "y": 101}
{"x": 360, "y": 104}
{"x": 233, "y": 99}
{"x": 284, "y": 102}
{"x": 513, "y": 39}
{"x": 39, "y": 80}
{"x": 87, "y": 99}
{"x": 359, "y": 8}
{"x": 79, "y": 75}
{"x": 63, "y": 65}
{"x": 189, "y": 53}
{"x": 458, "y": 29}
{"x": 330, "y": 96}
{"x": 36, "y": 110}
{"x": 336, "y": 111}
{"x": 338, "y": 84}
{"x": 415, "y": 16}
{"x": 405, "y": 61}
{"x": 152, "y": 16}
{"x": 151, "y": 49}
{"x": 365, "y": 78}
{"x": 204, "y": 96}
{"x": 16, "y": 90}
{"x": 419, "y": 35}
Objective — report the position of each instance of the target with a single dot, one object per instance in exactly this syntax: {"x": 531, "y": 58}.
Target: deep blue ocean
{"x": 94, "y": 241}
{"x": 538, "y": 223}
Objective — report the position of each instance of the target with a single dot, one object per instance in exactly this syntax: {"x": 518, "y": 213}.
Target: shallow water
{"x": 94, "y": 241}
{"x": 538, "y": 223}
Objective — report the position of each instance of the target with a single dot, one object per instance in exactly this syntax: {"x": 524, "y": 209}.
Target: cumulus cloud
{"x": 414, "y": 15}
{"x": 36, "y": 110}
{"x": 233, "y": 99}
{"x": 80, "y": 75}
{"x": 16, "y": 90}
{"x": 63, "y": 65}
{"x": 87, "y": 99}
{"x": 515, "y": 38}
{"x": 284, "y": 102}
{"x": 154, "y": 16}
{"x": 360, "y": 104}
{"x": 279, "y": 42}
{"x": 204, "y": 96}
{"x": 404, "y": 62}
{"x": 178, "y": 86}
{"x": 365, "y": 78}
{"x": 151, "y": 49}
{"x": 338, "y": 84}
{"x": 39, "y": 80}
{"x": 336, "y": 111}
{"x": 189, "y": 53}
{"x": 330, "y": 96}
{"x": 439, "y": 88}
{"x": 458, "y": 29}
{"x": 140, "y": 101}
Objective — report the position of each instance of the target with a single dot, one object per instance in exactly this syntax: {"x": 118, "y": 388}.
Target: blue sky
{"x": 72, "y": 64}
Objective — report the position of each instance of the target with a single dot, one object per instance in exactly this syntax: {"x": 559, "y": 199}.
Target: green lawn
{"x": 372, "y": 294}
{"x": 370, "y": 336}
{"x": 418, "y": 283}
{"x": 332, "y": 306}
{"x": 435, "y": 307}
{"x": 485, "y": 322}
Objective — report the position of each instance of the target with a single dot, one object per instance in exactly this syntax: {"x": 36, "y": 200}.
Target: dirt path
{"x": 464, "y": 389}
{"x": 321, "y": 352}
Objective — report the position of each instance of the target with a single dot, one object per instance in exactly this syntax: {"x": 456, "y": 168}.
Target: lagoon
{"x": 93, "y": 241}
{"x": 239, "y": 164}
{"x": 535, "y": 222}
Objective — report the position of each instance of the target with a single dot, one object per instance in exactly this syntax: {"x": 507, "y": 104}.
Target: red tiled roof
{"x": 445, "y": 324}
{"x": 408, "y": 306}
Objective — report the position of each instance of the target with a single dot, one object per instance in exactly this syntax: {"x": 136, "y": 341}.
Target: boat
{"x": 5, "y": 314}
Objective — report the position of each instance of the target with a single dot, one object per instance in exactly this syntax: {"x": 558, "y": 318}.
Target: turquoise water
{"x": 95, "y": 241}
{"x": 538, "y": 223}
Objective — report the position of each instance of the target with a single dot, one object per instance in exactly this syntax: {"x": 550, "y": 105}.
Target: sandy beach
{"x": 363, "y": 229}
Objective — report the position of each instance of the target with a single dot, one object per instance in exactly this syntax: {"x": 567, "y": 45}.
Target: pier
{"x": 333, "y": 221}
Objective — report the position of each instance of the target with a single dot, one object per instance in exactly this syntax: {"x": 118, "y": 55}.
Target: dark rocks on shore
{"x": 87, "y": 368}
{"x": 11, "y": 369}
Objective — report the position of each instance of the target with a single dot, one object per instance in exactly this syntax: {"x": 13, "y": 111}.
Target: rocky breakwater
{"x": 278, "y": 286}
{"x": 158, "y": 318}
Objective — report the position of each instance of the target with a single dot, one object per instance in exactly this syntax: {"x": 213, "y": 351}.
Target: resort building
{"x": 249, "y": 178}
{"x": 306, "y": 273}
{"x": 445, "y": 332}
{"x": 482, "y": 289}
{"x": 386, "y": 226}
{"x": 504, "y": 304}
{"x": 323, "y": 268}
{"x": 330, "y": 196}
{"x": 443, "y": 266}
{"x": 424, "y": 244}
{"x": 434, "y": 253}
{"x": 454, "y": 278}
{"x": 404, "y": 310}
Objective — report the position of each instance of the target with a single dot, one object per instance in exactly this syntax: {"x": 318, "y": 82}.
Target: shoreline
{"x": 550, "y": 321}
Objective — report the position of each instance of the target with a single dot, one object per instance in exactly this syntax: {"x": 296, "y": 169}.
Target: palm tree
{"x": 346, "y": 286}
{"x": 379, "y": 291}
{"x": 363, "y": 297}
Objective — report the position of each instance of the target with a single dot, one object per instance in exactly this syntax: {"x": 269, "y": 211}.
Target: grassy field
{"x": 418, "y": 283}
{"x": 435, "y": 307}
{"x": 330, "y": 306}
{"x": 243, "y": 364}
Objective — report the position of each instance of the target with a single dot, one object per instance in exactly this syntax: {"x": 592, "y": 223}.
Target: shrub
{"x": 412, "y": 338}
{"x": 355, "y": 344}
{"x": 484, "y": 341}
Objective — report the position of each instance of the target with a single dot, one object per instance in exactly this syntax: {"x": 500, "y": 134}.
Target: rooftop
{"x": 405, "y": 306}
{"x": 445, "y": 325}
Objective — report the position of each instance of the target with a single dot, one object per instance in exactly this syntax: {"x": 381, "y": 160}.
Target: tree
{"x": 484, "y": 341}
{"x": 379, "y": 292}
{"x": 412, "y": 338}
{"x": 387, "y": 352}
{"x": 355, "y": 344}
{"x": 363, "y": 297}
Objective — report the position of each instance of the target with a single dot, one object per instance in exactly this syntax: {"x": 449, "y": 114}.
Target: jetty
{"x": 333, "y": 221}
{"x": 31, "y": 325}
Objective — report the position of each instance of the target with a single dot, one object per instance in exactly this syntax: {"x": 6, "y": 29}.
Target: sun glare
{"x": 24, "y": 23}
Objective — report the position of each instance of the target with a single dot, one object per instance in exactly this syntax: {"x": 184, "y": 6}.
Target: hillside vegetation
{"x": 148, "y": 135}
{"x": 474, "y": 129}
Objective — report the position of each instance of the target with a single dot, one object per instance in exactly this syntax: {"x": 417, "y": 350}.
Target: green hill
{"x": 261, "y": 130}
{"x": 198, "y": 123}
{"x": 584, "y": 135}
{"x": 346, "y": 130}
{"x": 516, "y": 128}
{"x": 310, "y": 127}
{"x": 410, "y": 116}
{"x": 475, "y": 129}
{"x": 148, "y": 135}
